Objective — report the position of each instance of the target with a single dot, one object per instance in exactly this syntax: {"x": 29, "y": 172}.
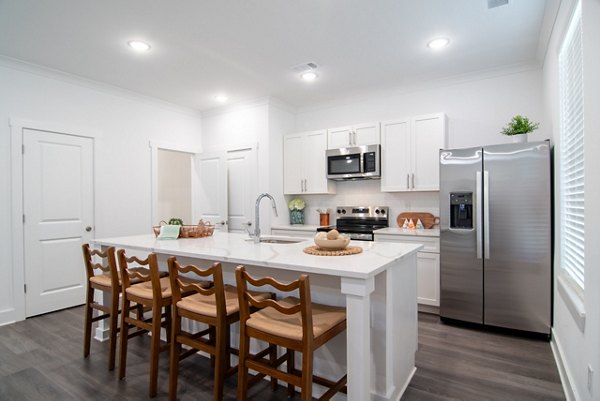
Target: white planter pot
{"x": 521, "y": 138}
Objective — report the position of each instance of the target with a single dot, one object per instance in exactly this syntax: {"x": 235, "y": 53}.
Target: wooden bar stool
{"x": 218, "y": 307}
{"x": 106, "y": 280}
{"x": 153, "y": 292}
{"x": 296, "y": 324}
{"x": 109, "y": 281}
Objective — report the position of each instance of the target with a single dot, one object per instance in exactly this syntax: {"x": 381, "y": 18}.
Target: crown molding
{"x": 77, "y": 80}
{"x": 424, "y": 86}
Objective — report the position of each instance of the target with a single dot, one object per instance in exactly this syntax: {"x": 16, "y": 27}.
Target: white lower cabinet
{"x": 428, "y": 278}
{"x": 428, "y": 266}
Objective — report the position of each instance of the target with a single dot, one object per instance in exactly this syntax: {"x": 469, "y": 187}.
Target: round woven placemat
{"x": 315, "y": 250}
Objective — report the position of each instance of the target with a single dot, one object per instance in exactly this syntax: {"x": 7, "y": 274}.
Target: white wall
{"x": 577, "y": 347}
{"x": 281, "y": 123}
{"x": 477, "y": 107}
{"x": 263, "y": 122}
{"x": 122, "y": 155}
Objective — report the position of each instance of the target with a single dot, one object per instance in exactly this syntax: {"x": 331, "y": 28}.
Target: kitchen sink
{"x": 278, "y": 240}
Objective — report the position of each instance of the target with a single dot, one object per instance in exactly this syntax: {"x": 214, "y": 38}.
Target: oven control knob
{"x": 382, "y": 211}
{"x": 343, "y": 211}
{"x": 339, "y": 211}
{"x": 376, "y": 211}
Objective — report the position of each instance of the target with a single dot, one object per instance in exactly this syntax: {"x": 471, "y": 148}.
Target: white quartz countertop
{"x": 432, "y": 232}
{"x": 235, "y": 248}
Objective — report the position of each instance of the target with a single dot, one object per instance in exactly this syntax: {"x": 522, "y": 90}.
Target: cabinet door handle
{"x": 354, "y": 138}
{"x": 413, "y": 181}
{"x": 407, "y": 181}
{"x": 305, "y": 185}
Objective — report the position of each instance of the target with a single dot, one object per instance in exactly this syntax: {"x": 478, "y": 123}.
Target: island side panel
{"x": 402, "y": 335}
{"x": 393, "y": 329}
{"x": 358, "y": 334}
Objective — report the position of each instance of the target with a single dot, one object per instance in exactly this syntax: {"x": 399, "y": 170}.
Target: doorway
{"x": 174, "y": 185}
{"x": 58, "y": 217}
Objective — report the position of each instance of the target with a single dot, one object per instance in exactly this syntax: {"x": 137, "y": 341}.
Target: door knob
{"x": 88, "y": 229}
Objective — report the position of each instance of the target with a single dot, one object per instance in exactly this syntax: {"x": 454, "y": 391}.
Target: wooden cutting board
{"x": 427, "y": 219}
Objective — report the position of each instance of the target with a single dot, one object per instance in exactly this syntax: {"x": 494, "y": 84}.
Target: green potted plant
{"x": 296, "y": 207}
{"x": 518, "y": 128}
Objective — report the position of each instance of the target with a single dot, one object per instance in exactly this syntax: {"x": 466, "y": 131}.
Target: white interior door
{"x": 58, "y": 217}
{"x": 241, "y": 174}
{"x": 211, "y": 169}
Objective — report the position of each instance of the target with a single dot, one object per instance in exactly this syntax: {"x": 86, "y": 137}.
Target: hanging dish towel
{"x": 169, "y": 232}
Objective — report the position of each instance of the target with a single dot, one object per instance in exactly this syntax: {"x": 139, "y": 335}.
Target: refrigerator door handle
{"x": 486, "y": 214}
{"x": 479, "y": 215}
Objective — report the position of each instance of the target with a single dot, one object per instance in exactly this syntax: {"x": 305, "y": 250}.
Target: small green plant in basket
{"x": 175, "y": 221}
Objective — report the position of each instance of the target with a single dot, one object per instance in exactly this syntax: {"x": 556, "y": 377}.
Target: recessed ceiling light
{"x": 221, "y": 98}
{"x": 138, "y": 45}
{"x": 438, "y": 43}
{"x": 309, "y": 76}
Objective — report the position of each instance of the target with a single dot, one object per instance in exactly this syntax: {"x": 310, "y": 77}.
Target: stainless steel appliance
{"x": 354, "y": 163}
{"x": 359, "y": 222}
{"x": 496, "y": 235}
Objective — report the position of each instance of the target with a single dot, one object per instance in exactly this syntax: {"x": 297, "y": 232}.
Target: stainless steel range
{"x": 359, "y": 222}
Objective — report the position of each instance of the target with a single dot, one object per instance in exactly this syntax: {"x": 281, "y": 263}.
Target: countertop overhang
{"x": 236, "y": 248}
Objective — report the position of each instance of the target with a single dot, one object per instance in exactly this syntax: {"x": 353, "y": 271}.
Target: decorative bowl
{"x": 332, "y": 244}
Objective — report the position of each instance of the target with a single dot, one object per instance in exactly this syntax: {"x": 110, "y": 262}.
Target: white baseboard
{"x": 566, "y": 377}
{"x": 7, "y": 316}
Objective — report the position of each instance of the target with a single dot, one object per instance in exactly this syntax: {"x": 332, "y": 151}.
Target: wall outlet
{"x": 590, "y": 378}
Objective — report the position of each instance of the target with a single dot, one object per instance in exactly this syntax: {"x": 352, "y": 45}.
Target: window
{"x": 570, "y": 64}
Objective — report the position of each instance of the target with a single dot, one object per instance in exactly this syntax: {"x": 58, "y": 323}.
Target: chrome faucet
{"x": 257, "y": 214}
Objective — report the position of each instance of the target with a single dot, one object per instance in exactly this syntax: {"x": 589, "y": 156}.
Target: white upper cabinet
{"x": 304, "y": 164}
{"x": 410, "y": 153}
{"x": 355, "y": 135}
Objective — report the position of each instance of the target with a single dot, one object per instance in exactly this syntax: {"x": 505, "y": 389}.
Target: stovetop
{"x": 358, "y": 222}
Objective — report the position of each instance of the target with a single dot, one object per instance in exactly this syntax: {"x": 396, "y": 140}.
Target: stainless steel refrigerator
{"x": 496, "y": 235}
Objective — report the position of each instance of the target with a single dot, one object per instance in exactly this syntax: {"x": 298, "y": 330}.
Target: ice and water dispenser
{"x": 461, "y": 210}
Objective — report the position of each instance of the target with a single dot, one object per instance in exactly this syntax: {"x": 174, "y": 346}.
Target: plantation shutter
{"x": 571, "y": 151}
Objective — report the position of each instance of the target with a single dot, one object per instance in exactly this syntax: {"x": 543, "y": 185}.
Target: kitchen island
{"x": 377, "y": 287}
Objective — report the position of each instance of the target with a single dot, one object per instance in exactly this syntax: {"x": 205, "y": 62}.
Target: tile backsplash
{"x": 368, "y": 193}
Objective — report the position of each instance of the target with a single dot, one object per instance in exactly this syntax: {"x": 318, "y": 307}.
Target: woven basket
{"x": 203, "y": 229}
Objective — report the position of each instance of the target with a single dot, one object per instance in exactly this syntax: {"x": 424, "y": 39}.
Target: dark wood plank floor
{"x": 41, "y": 359}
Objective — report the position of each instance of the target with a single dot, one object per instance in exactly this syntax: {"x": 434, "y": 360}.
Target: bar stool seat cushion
{"x": 271, "y": 321}
{"x": 206, "y": 304}
{"x": 144, "y": 290}
{"x": 104, "y": 279}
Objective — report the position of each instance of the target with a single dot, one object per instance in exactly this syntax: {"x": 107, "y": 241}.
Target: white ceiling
{"x": 245, "y": 48}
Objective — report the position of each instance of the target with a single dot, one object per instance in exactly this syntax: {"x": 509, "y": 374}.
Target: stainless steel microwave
{"x": 354, "y": 163}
